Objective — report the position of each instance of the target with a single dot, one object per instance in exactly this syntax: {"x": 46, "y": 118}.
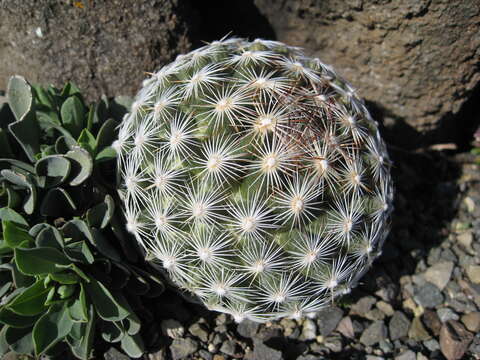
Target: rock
{"x": 465, "y": 240}
{"x": 411, "y": 305}
{"x": 181, "y": 348}
{"x": 445, "y": 314}
{"x": 309, "y": 330}
{"x": 472, "y": 321}
{"x": 172, "y": 328}
{"x": 431, "y": 321}
{"x": 439, "y": 274}
{"x": 428, "y": 295}
{"x": 431, "y": 344}
{"x": 362, "y": 306}
{"x": 406, "y": 355}
{"x": 222, "y": 319}
{"x": 290, "y": 327}
{"x": 328, "y": 320}
{"x": 308, "y": 357}
{"x": 345, "y": 327}
{"x": 385, "y": 307}
{"x": 454, "y": 340}
{"x": 473, "y": 272}
{"x": 104, "y": 47}
{"x": 159, "y": 355}
{"x": 417, "y": 331}
{"x": 218, "y": 357}
{"x": 374, "y": 333}
{"x": 263, "y": 352}
{"x": 405, "y": 53}
{"x": 114, "y": 354}
{"x": 205, "y": 355}
{"x": 333, "y": 344}
{"x": 199, "y": 331}
{"x": 420, "y": 356}
{"x": 229, "y": 347}
{"x": 398, "y": 325}
{"x": 247, "y": 328}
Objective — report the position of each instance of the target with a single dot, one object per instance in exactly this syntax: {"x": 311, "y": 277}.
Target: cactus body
{"x": 256, "y": 178}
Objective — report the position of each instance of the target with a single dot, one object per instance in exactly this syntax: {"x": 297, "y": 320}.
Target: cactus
{"x": 256, "y": 178}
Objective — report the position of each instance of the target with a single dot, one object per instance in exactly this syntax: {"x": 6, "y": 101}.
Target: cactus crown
{"x": 256, "y": 177}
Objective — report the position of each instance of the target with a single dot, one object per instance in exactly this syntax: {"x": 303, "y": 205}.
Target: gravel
{"x": 398, "y": 326}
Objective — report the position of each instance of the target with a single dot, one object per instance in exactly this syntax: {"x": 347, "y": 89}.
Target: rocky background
{"x": 417, "y": 64}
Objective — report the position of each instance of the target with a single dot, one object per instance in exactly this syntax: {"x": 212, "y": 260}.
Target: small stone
{"x": 112, "y": 354}
{"x": 374, "y": 333}
{"x": 465, "y": 240}
{"x": 406, "y": 355}
{"x": 473, "y": 272}
{"x": 454, "y": 340}
{"x": 472, "y": 321}
{"x": 420, "y": 356}
{"x": 445, "y": 314}
{"x": 263, "y": 352}
{"x": 439, "y": 274}
{"x": 428, "y": 295}
{"x": 417, "y": 331}
{"x": 431, "y": 321}
{"x": 334, "y": 345}
{"x": 199, "y": 331}
{"x": 431, "y": 344}
{"x": 289, "y": 326}
{"x": 398, "y": 326}
{"x": 362, "y": 306}
{"x": 218, "y": 357}
{"x": 386, "y": 346}
{"x": 385, "y": 307}
{"x": 248, "y": 328}
{"x": 212, "y": 348}
{"x": 205, "y": 354}
{"x": 328, "y": 320}
{"x": 411, "y": 305}
{"x": 181, "y": 348}
{"x": 172, "y": 328}
{"x": 309, "y": 330}
{"x": 222, "y": 319}
{"x": 345, "y": 327}
{"x": 229, "y": 347}
{"x": 218, "y": 338}
{"x": 158, "y": 355}
{"x": 373, "y": 357}
{"x": 308, "y": 357}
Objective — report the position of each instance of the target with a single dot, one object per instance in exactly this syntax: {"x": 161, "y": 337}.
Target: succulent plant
{"x": 69, "y": 274}
{"x": 256, "y": 178}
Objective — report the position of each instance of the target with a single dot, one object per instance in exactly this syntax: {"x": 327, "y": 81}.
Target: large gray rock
{"x": 103, "y": 46}
{"x": 417, "y": 60}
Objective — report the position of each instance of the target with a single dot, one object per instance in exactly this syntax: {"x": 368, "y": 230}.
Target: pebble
{"x": 417, "y": 331}
{"x": 309, "y": 330}
{"x": 229, "y": 347}
{"x": 263, "y": 352}
{"x": 445, "y": 314}
{"x": 199, "y": 331}
{"x": 205, "y": 354}
{"x": 172, "y": 328}
{"x": 362, "y": 306}
{"x": 431, "y": 321}
{"x": 406, "y": 355}
{"x": 454, "y": 340}
{"x": 334, "y": 344}
{"x": 398, "y": 325}
{"x": 385, "y": 307}
{"x": 439, "y": 274}
{"x": 375, "y": 314}
{"x": 431, "y": 344}
{"x": 465, "y": 240}
{"x": 374, "y": 333}
{"x": 472, "y": 321}
{"x": 111, "y": 354}
{"x": 247, "y": 328}
{"x": 473, "y": 272}
{"x": 345, "y": 327}
{"x": 181, "y": 348}
{"x": 328, "y": 320}
{"x": 428, "y": 295}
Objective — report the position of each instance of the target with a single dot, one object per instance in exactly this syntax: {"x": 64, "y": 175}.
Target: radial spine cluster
{"x": 256, "y": 178}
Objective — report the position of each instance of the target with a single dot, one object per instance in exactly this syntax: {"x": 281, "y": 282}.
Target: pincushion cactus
{"x": 256, "y": 178}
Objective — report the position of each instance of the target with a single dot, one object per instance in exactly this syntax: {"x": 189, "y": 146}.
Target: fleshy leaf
{"x": 31, "y": 301}
{"x": 19, "y": 339}
{"x": 73, "y": 115}
{"x": 7, "y": 214}
{"x": 82, "y": 165}
{"x": 108, "y": 308}
{"x": 20, "y": 96}
{"x": 133, "y": 345}
{"x": 51, "y": 328}
{"x": 83, "y": 347}
{"x": 54, "y": 169}
{"x": 49, "y": 237}
{"x": 57, "y": 202}
{"x": 79, "y": 251}
{"x": 9, "y": 318}
{"x": 39, "y": 260}
{"x": 87, "y": 141}
{"x": 100, "y": 215}
{"x": 14, "y": 235}
{"x": 104, "y": 246}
